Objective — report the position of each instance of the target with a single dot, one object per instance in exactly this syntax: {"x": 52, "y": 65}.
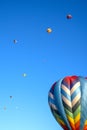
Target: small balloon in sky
{"x": 24, "y": 74}
{"x": 69, "y": 16}
{"x": 15, "y": 41}
{"x": 49, "y": 30}
{"x": 10, "y": 97}
{"x": 5, "y": 108}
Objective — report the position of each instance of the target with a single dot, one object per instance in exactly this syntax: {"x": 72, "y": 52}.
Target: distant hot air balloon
{"x": 10, "y": 96}
{"x": 15, "y": 41}
{"x": 24, "y": 74}
{"x": 69, "y": 16}
{"x": 49, "y": 30}
{"x": 68, "y": 102}
{"x": 5, "y": 108}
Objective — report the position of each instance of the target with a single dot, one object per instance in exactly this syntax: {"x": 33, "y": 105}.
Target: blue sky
{"x": 44, "y": 57}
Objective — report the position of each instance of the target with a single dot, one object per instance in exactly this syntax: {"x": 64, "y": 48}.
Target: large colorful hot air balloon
{"x": 68, "y": 102}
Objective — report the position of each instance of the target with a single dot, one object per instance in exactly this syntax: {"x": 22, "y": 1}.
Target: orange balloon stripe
{"x": 85, "y": 127}
{"x": 77, "y": 125}
{"x": 72, "y": 126}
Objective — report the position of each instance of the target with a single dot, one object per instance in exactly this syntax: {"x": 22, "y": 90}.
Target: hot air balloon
{"x": 67, "y": 99}
{"x": 5, "y": 108}
{"x": 69, "y": 16}
{"x": 15, "y": 41}
{"x": 24, "y": 74}
{"x": 10, "y": 97}
{"x": 49, "y": 30}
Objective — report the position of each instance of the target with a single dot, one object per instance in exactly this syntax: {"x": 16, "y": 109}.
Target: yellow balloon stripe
{"x": 77, "y": 118}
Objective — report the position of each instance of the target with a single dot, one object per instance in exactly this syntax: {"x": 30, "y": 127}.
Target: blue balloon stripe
{"x": 83, "y": 101}
{"x": 75, "y": 93}
{"x": 50, "y": 100}
{"x": 64, "y": 83}
{"x": 65, "y": 95}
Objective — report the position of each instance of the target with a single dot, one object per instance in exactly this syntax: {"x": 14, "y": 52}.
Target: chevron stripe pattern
{"x": 71, "y": 95}
{"x": 68, "y": 102}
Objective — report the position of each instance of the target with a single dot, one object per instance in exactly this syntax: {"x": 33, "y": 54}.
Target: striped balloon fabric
{"x": 67, "y": 99}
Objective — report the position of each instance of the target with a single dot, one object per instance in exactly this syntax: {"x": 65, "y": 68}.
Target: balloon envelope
{"x": 5, "y": 108}
{"x": 10, "y": 96}
{"x": 69, "y": 16}
{"x": 67, "y": 99}
{"x": 49, "y": 30}
{"x": 15, "y": 41}
{"x": 24, "y": 75}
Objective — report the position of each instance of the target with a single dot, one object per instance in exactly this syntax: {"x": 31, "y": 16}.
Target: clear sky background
{"x": 44, "y": 57}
